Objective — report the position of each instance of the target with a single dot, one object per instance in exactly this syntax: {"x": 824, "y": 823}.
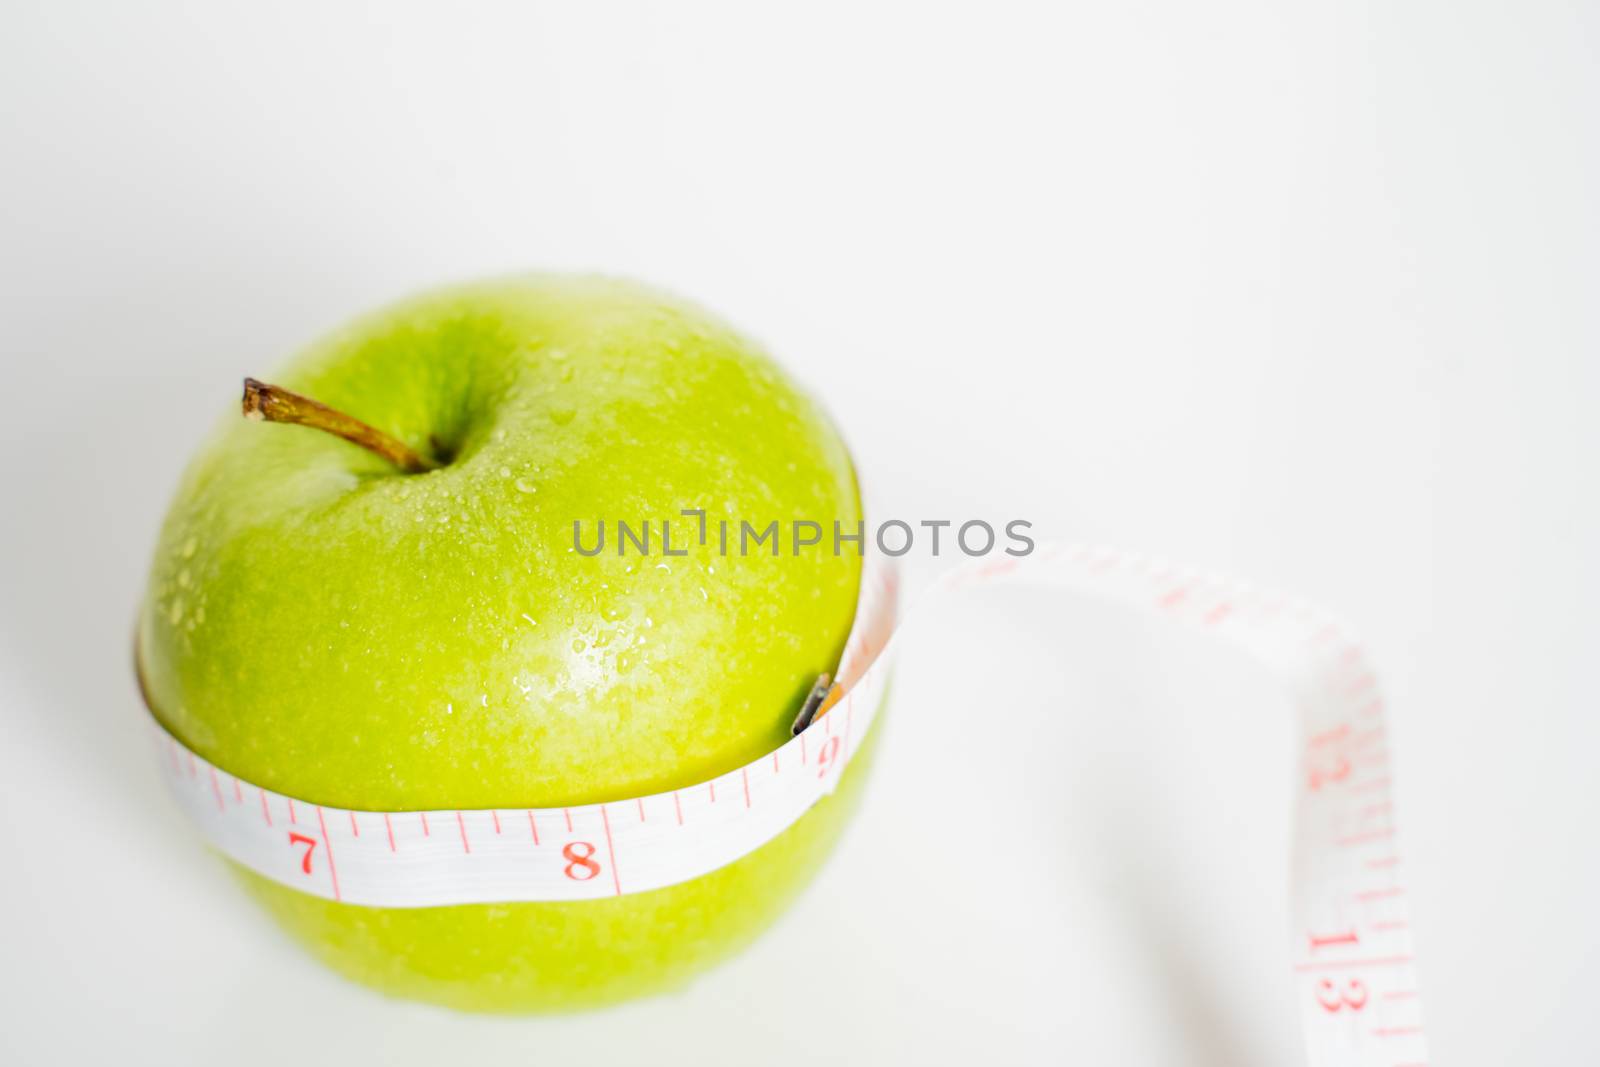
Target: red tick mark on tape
{"x": 616, "y": 880}
{"x": 266, "y": 812}
{"x": 1327, "y": 737}
{"x": 495, "y": 815}
{"x": 355, "y": 828}
{"x": 425, "y": 831}
{"x": 1380, "y": 894}
{"x": 677, "y": 806}
{"x": 849, "y": 705}
{"x": 238, "y": 793}
{"x": 534, "y": 826}
{"x": 1380, "y": 961}
{"x": 466, "y": 846}
{"x": 568, "y": 813}
{"x": 216, "y": 790}
{"x": 745, "y": 775}
{"x": 389, "y": 828}
{"x": 641, "y": 811}
{"x": 333, "y": 871}
{"x": 991, "y": 570}
{"x": 293, "y": 819}
{"x": 1348, "y": 937}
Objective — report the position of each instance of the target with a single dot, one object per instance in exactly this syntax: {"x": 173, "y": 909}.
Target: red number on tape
{"x": 1332, "y": 998}
{"x": 311, "y": 846}
{"x": 1318, "y": 777}
{"x": 825, "y": 758}
{"x": 582, "y": 865}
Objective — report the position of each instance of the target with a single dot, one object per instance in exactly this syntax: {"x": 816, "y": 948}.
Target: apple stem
{"x": 272, "y": 403}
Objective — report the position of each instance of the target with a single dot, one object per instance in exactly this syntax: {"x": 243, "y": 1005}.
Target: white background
{"x": 1302, "y": 292}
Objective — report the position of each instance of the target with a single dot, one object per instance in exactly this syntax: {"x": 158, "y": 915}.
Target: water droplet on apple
{"x": 578, "y": 644}
{"x": 524, "y": 486}
{"x": 505, "y": 472}
{"x": 189, "y": 547}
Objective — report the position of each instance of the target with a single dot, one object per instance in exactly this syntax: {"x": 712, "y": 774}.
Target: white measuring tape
{"x": 1352, "y": 951}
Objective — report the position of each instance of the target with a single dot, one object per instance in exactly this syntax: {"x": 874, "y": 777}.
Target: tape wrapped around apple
{"x": 393, "y": 615}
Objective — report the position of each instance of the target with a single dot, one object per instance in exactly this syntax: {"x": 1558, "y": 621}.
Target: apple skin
{"x": 328, "y": 627}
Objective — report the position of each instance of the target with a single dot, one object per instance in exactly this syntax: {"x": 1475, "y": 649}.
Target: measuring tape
{"x": 1352, "y": 951}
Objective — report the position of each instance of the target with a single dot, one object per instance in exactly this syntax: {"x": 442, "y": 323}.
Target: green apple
{"x": 328, "y": 624}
